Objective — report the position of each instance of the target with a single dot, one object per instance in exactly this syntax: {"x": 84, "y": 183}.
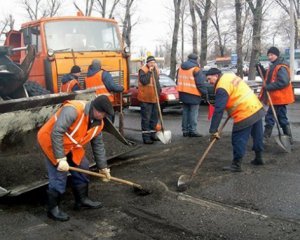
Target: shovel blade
{"x": 284, "y": 142}
{"x": 164, "y": 136}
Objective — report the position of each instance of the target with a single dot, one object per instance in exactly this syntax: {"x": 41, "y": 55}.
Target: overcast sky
{"x": 152, "y": 15}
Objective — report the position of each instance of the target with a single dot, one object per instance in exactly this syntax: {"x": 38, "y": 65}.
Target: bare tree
{"x": 203, "y": 11}
{"x": 183, "y": 18}
{"x": 194, "y": 26}
{"x": 239, "y": 37}
{"x": 102, "y": 7}
{"x": 173, "y": 62}
{"x": 284, "y": 4}
{"x": 41, "y": 8}
{"x": 127, "y": 24}
{"x": 256, "y": 36}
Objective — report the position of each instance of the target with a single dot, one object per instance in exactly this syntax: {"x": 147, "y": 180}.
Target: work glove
{"x": 63, "y": 165}
{"x": 106, "y": 172}
{"x": 215, "y": 135}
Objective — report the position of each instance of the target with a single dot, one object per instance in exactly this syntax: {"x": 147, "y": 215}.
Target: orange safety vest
{"x": 68, "y": 86}
{"x": 186, "y": 81}
{"x": 146, "y": 93}
{"x": 75, "y": 138}
{"x": 96, "y": 81}
{"x": 280, "y": 96}
{"x": 242, "y": 102}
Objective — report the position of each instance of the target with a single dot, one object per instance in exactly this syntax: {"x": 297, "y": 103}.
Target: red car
{"x": 168, "y": 97}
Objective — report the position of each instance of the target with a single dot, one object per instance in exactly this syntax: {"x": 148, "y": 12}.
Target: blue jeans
{"x": 281, "y": 112}
{"x": 149, "y": 119}
{"x": 240, "y": 139}
{"x": 190, "y": 118}
{"x": 58, "y": 179}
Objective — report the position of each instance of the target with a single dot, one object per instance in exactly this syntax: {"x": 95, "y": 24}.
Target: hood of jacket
{"x": 68, "y": 77}
{"x": 189, "y": 64}
{"x": 93, "y": 70}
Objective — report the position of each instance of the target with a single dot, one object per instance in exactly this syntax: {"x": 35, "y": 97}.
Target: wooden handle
{"x": 119, "y": 180}
{"x": 158, "y": 103}
{"x": 208, "y": 149}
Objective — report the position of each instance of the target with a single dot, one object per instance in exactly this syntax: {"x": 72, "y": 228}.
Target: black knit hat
{"x": 150, "y": 58}
{"x": 102, "y": 104}
{"x": 75, "y": 69}
{"x": 213, "y": 71}
{"x": 274, "y": 50}
{"x": 193, "y": 56}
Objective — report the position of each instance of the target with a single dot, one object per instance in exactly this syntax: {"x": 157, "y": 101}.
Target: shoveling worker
{"x": 98, "y": 77}
{"x": 277, "y": 83}
{"x": 236, "y": 97}
{"x": 62, "y": 139}
{"x": 70, "y": 81}
{"x": 191, "y": 87}
{"x": 148, "y": 76}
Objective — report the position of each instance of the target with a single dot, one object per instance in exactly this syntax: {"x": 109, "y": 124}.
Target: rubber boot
{"x": 82, "y": 200}
{"x": 53, "y": 210}
{"x": 234, "y": 167}
{"x": 287, "y": 131}
{"x": 258, "y": 159}
{"x": 268, "y": 131}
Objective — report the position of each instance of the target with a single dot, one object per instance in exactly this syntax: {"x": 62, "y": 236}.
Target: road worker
{"x": 62, "y": 139}
{"x": 191, "y": 86}
{"x": 277, "y": 83}
{"x": 148, "y": 76}
{"x": 241, "y": 104}
{"x": 98, "y": 77}
{"x": 70, "y": 82}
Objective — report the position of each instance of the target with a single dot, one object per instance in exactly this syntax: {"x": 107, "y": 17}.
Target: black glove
{"x": 261, "y": 68}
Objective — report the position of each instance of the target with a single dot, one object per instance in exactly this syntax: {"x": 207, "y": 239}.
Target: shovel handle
{"x": 208, "y": 149}
{"x": 119, "y": 180}
{"x": 158, "y": 103}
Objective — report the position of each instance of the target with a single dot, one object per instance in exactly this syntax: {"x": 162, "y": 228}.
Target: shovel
{"x": 282, "y": 140}
{"x": 163, "y": 135}
{"x": 136, "y": 187}
{"x": 184, "y": 180}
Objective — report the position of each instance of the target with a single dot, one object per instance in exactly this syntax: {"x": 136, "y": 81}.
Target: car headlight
{"x": 171, "y": 97}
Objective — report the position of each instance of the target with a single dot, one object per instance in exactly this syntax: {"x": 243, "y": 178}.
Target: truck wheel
{"x": 35, "y": 89}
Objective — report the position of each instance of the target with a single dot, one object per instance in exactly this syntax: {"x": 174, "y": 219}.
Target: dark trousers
{"x": 240, "y": 139}
{"x": 58, "y": 179}
{"x": 281, "y": 112}
{"x": 149, "y": 119}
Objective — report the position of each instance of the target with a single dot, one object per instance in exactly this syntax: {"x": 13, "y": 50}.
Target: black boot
{"x": 154, "y": 137}
{"x": 287, "y": 131}
{"x": 53, "y": 210}
{"x": 234, "y": 167}
{"x": 268, "y": 131}
{"x": 258, "y": 159}
{"x": 82, "y": 200}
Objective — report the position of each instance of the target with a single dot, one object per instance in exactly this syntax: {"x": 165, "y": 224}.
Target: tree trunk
{"x": 194, "y": 26}
{"x": 182, "y": 36}
{"x": 173, "y": 62}
{"x": 256, "y": 37}
{"x": 204, "y": 25}
{"x": 239, "y": 37}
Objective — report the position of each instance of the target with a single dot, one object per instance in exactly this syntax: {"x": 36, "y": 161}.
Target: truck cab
{"x": 61, "y": 42}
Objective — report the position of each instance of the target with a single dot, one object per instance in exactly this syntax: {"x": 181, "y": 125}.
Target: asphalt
{"x": 258, "y": 203}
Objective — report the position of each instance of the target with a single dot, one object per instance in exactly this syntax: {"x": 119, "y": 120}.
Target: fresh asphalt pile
{"x": 259, "y": 203}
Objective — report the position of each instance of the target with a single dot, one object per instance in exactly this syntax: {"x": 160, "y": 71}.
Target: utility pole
{"x": 292, "y": 43}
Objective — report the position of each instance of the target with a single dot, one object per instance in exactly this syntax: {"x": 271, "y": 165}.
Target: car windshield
{"x": 82, "y": 36}
{"x": 166, "y": 81}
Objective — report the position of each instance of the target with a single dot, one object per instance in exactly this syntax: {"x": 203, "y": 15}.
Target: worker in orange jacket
{"x": 241, "y": 104}
{"x": 98, "y": 77}
{"x": 70, "y": 81}
{"x": 277, "y": 82}
{"x": 62, "y": 139}
{"x": 147, "y": 77}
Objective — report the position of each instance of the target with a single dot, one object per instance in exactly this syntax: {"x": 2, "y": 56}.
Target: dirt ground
{"x": 258, "y": 203}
